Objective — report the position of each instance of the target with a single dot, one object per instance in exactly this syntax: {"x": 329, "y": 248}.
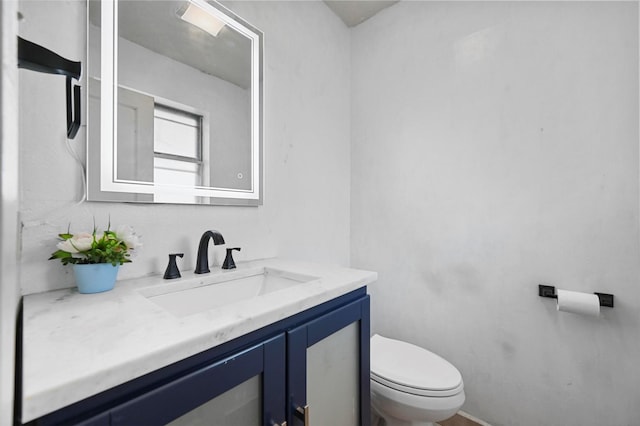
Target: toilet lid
{"x": 409, "y": 368}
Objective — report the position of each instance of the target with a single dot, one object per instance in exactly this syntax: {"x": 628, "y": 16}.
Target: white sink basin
{"x": 209, "y": 292}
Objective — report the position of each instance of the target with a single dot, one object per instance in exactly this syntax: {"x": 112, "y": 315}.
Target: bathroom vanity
{"x": 270, "y": 342}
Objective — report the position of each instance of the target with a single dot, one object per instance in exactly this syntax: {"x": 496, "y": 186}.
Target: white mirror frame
{"x": 108, "y": 118}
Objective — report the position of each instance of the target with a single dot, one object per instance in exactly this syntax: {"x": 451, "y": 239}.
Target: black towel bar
{"x": 34, "y": 57}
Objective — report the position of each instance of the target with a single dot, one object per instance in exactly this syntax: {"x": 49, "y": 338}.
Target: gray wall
{"x": 9, "y": 290}
{"x": 306, "y": 209}
{"x": 495, "y": 147}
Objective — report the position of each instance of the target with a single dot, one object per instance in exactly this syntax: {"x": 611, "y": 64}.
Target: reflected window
{"x": 177, "y": 146}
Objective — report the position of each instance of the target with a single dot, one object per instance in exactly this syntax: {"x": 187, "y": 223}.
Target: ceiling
{"x": 155, "y": 26}
{"x": 354, "y": 12}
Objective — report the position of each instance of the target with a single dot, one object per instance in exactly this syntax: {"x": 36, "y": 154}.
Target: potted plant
{"x": 97, "y": 256}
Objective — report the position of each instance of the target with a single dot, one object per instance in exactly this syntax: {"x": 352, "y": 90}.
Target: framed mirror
{"x": 174, "y": 110}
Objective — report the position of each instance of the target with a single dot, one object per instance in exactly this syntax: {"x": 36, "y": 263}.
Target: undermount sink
{"x": 209, "y": 292}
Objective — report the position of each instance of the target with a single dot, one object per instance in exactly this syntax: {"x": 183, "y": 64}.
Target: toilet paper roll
{"x": 578, "y": 303}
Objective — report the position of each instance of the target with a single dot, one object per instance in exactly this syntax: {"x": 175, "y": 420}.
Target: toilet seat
{"x": 412, "y": 369}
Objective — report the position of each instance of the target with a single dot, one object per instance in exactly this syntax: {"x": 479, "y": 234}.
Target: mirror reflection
{"x": 186, "y": 128}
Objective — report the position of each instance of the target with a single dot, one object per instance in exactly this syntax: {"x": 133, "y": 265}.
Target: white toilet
{"x": 411, "y": 386}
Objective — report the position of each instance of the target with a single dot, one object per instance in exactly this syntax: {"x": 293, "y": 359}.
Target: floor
{"x": 462, "y": 420}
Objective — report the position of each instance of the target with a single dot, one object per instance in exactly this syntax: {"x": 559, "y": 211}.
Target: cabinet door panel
{"x": 274, "y": 381}
{"x": 333, "y": 378}
{"x": 328, "y": 365}
{"x": 239, "y": 381}
{"x": 296, "y": 380}
{"x": 239, "y": 406}
{"x": 99, "y": 420}
{"x": 328, "y": 324}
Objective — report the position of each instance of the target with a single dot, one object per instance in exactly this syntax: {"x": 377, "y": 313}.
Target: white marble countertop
{"x": 77, "y": 345}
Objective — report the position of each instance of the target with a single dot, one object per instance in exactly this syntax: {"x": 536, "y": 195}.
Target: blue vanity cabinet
{"x": 318, "y": 359}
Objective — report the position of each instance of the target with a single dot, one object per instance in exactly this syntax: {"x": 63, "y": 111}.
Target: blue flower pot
{"x": 95, "y": 278}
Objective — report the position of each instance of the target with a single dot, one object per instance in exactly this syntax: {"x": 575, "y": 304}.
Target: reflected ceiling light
{"x": 194, "y": 14}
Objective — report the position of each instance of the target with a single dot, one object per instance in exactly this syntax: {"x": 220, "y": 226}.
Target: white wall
{"x": 306, "y": 202}
{"x": 9, "y": 290}
{"x": 495, "y": 147}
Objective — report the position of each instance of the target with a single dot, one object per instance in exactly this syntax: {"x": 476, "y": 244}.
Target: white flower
{"x": 76, "y": 244}
{"x": 128, "y": 236}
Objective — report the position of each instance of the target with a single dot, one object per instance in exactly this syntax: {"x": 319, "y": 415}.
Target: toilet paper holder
{"x": 550, "y": 291}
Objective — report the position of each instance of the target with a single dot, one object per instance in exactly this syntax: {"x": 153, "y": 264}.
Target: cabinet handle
{"x": 276, "y": 424}
{"x": 303, "y": 414}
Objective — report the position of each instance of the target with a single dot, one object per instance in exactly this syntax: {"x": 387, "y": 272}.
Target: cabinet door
{"x": 245, "y": 389}
{"x": 328, "y": 378}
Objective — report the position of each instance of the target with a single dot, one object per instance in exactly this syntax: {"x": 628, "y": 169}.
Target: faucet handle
{"x": 172, "y": 268}
{"x": 228, "y": 260}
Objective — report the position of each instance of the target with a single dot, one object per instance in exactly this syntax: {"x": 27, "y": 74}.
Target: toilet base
{"x": 404, "y": 409}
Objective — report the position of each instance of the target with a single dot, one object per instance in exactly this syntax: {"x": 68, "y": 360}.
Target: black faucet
{"x": 202, "y": 263}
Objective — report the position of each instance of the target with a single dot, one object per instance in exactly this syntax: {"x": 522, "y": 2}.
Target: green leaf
{"x": 60, "y": 254}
